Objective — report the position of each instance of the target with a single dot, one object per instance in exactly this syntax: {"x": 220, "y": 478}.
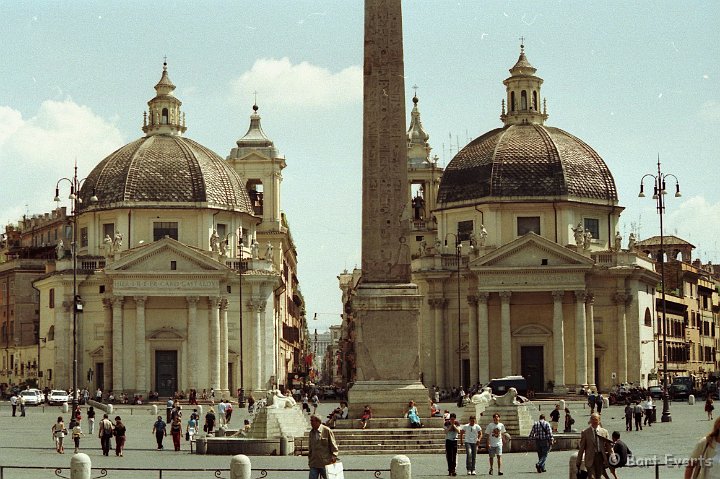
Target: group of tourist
{"x": 106, "y": 431}
{"x": 471, "y": 436}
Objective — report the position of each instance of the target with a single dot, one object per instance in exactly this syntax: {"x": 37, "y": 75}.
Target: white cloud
{"x": 35, "y": 152}
{"x": 301, "y": 85}
{"x": 696, "y": 220}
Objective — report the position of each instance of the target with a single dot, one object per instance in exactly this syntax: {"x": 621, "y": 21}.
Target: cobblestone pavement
{"x": 28, "y": 442}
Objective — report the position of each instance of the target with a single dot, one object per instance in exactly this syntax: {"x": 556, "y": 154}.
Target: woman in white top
{"x": 705, "y": 458}
{"x": 58, "y": 433}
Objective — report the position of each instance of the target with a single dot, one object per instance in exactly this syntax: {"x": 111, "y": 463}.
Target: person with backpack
{"x": 228, "y": 411}
{"x": 105, "y": 433}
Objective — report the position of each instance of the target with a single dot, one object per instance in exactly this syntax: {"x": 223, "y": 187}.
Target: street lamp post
{"x": 75, "y": 199}
{"x": 458, "y": 249}
{"x": 241, "y": 247}
{"x": 658, "y": 196}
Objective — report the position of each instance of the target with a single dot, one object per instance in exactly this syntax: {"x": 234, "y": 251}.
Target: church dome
{"x": 525, "y": 158}
{"x": 163, "y": 168}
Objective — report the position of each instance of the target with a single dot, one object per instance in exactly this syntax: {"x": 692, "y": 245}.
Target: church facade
{"x": 186, "y": 271}
{"x": 517, "y": 253}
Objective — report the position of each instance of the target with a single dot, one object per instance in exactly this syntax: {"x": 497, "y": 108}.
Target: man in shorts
{"x": 494, "y": 436}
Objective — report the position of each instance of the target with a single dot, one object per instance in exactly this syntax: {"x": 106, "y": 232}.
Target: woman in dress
{"x": 176, "y": 431}
{"x": 412, "y": 415}
{"x": 58, "y": 433}
{"x": 119, "y": 433}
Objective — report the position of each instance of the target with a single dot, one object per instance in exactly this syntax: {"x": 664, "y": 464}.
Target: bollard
{"x": 201, "y": 445}
{"x": 572, "y": 466}
{"x": 287, "y": 445}
{"x": 200, "y": 410}
{"x": 65, "y": 408}
{"x": 80, "y": 466}
{"x": 691, "y": 399}
{"x": 153, "y": 410}
{"x": 240, "y": 467}
{"x": 562, "y": 405}
{"x": 606, "y": 402}
{"x": 110, "y": 409}
{"x": 400, "y": 467}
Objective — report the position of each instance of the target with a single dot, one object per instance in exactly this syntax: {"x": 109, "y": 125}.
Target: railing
{"x": 450, "y": 261}
{"x": 92, "y": 264}
{"x": 236, "y": 264}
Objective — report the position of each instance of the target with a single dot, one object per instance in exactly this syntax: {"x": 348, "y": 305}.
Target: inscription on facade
{"x": 179, "y": 286}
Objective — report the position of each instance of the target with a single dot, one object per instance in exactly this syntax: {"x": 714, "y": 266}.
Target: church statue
{"x": 631, "y": 241}
{"x": 588, "y": 240}
{"x": 223, "y": 246}
{"x": 214, "y": 242}
{"x": 60, "y": 250}
{"x": 618, "y": 241}
{"x": 438, "y": 246}
{"x": 483, "y": 234}
{"x": 269, "y": 251}
{"x": 108, "y": 245}
{"x": 117, "y": 242}
{"x": 255, "y": 248}
{"x": 579, "y": 235}
{"x": 423, "y": 248}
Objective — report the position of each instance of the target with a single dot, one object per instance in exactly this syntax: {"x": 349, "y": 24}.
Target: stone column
{"x": 214, "y": 318}
{"x": 589, "y": 316}
{"x": 224, "y": 345}
{"x": 192, "y": 343}
{"x": 140, "y": 359}
{"x": 558, "y": 342}
{"x": 438, "y": 305}
{"x": 117, "y": 345}
{"x": 483, "y": 336}
{"x": 473, "y": 339}
{"x": 505, "y": 340}
{"x": 257, "y": 306}
{"x": 580, "y": 340}
{"x": 107, "y": 344}
{"x": 620, "y": 301}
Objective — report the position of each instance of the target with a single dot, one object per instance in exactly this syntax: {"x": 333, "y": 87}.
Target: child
{"x": 76, "y": 433}
{"x": 366, "y": 415}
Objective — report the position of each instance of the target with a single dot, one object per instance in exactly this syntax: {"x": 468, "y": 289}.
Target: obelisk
{"x": 386, "y": 303}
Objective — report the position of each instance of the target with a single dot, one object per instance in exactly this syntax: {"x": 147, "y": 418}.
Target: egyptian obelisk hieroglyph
{"x": 387, "y": 304}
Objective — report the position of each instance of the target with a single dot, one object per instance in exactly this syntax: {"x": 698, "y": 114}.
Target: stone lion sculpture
{"x": 485, "y": 397}
{"x": 507, "y": 399}
{"x": 276, "y": 400}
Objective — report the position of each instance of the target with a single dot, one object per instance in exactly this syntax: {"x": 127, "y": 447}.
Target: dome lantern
{"x": 164, "y": 116}
{"x": 417, "y": 137}
{"x": 523, "y": 94}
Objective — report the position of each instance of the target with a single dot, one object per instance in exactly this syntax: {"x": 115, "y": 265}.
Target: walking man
{"x": 542, "y": 434}
{"x": 638, "y": 411}
{"x": 105, "y": 432}
{"x": 648, "y": 406}
{"x": 14, "y": 403}
{"x": 470, "y": 435}
{"x": 22, "y": 405}
{"x": 322, "y": 448}
{"x": 494, "y": 434}
{"x": 452, "y": 430}
{"x": 555, "y": 418}
{"x": 595, "y": 446}
{"x": 618, "y": 458}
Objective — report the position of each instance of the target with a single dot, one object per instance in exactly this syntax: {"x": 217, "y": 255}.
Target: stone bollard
{"x": 110, "y": 409}
{"x": 200, "y": 411}
{"x": 572, "y": 467}
{"x": 153, "y": 410}
{"x": 400, "y": 467}
{"x": 80, "y": 466}
{"x": 562, "y": 405}
{"x": 65, "y": 408}
{"x": 240, "y": 467}
{"x": 691, "y": 399}
{"x": 606, "y": 402}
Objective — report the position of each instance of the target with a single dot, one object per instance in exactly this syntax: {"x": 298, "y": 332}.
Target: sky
{"x": 634, "y": 80}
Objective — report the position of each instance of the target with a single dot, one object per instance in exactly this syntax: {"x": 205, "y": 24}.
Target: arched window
{"x": 648, "y": 317}
{"x": 255, "y": 191}
{"x": 523, "y": 100}
{"x": 512, "y": 101}
{"x": 534, "y": 101}
{"x": 164, "y": 120}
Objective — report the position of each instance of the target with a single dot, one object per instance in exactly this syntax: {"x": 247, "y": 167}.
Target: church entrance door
{"x": 532, "y": 367}
{"x": 166, "y": 372}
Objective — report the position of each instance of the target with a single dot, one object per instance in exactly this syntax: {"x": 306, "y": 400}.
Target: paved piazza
{"x": 28, "y": 442}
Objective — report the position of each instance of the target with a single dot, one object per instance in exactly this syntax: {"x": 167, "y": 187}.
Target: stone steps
{"x": 384, "y": 441}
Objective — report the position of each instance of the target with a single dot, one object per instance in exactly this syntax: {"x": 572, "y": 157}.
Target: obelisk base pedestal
{"x": 387, "y": 398}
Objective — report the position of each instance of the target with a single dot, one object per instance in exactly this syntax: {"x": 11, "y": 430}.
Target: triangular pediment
{"x": 532, "y": 251}
{"x": 164, "y": 256}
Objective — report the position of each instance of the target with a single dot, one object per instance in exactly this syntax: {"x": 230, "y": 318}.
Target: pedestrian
{"x": 14, "y": 403}
{"x": 322, "y": 448}
{"x": 629, "y": 412}
{"x": 638, "y": 413}
{"x": 21, "y": 400}
{"x": 702, "y": 460}
{"x": 542, "y": 433}
{"x": 569, "y": 421}
{"x": 412, "y": 415}
{"x": 599, "y": 402}
{"x": 619, "y": 455}
{"x": 176, "y": 432}
{"x": 228, "y": 411}
{"x": 709, "y": 407}
{"x": 595, "y": 447}
{"x": 494, "y": 437}
{"x": 315, "y": 401}
{"x": 452, "y": 430}
{"x": 470, "y": 435}
{"x": 98, "y": 395}
{"x": 305, "y": 403}
{"x": 91, "y": 420}
{"x": 555, "y": 418}
{"x": 591, "y": 401}
{"x": 221, "y": 413}
{"x": 366, "y": 416}
{"x": 105, "y": 433}
{"x": 212, "y": 396}
{"x": 169, "y": 406}
{"x": 209, "y": 421}
{"x": 648, "y": 406}
{"x": 58, "y": 433}
{"x": 119, "y": 431}
{"x": 76, "y": 433}
{"x": 191, "y": 428}
{"x": 159, "y": 429}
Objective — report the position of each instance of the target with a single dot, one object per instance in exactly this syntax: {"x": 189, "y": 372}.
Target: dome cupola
{"x": 163, "y": 115}
{"x": 523, "y": 95}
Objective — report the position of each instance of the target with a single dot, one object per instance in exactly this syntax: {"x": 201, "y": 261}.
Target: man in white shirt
{"x": 221, "y": 412}
{"x": 470, "y": 435}
{"x": 648, "y": 407}
{"x": 494, "y": 434}
{"x": 14, "y": 403}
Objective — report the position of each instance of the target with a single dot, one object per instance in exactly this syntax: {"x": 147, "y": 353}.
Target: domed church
{"x": 164, "y": 227}
{"x": 521, "y": 263}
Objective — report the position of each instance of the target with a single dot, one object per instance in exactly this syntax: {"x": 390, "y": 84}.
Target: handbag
{"x": 334, "y": 470}
{"x": 187, "y": 435}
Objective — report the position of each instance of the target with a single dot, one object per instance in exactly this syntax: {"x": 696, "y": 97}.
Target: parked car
{"x": 58, "y": 397}
{"x": 679, "y": 391}
{"x": 501, "y": 386}
{"x": 655, "y": 392}
{"x": 33, "y": 397}
{"x": 710, "y": 388}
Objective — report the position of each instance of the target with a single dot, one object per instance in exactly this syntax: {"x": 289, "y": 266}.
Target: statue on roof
{"x": 579, "y": 235}
{"x": 631, "y": 241}
{"x": 482, "y": 236}
{"x": 60, "y": 250}
{"x": 618, "y": 241}
{"x": 215, "y": 242}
